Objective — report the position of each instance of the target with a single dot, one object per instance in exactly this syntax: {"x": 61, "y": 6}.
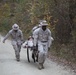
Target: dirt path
{"x": 9, "y": 66}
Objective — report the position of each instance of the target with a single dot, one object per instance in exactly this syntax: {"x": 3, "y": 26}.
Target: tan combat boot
{"x": 18, "y": 58}
{"x": 40, "y": 66}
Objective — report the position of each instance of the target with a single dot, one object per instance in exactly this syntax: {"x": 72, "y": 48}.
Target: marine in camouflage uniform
{"x": 42, "y": 37}
{"x": 17, "y": 39}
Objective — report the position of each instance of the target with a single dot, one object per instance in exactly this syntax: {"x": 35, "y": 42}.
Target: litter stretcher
{"x": 28, "y": 44}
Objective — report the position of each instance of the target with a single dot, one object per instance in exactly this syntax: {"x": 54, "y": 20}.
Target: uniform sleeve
{"x": 49, "y": 39}
{"x": 35, "y": 36}
{"x": 7, "y": 35}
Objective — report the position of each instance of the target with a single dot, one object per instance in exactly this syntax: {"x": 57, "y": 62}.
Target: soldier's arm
{"x": 49, "y": 39}
{"x": 7, "y": 35}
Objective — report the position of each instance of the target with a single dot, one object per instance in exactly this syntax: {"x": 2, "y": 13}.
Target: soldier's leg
{"x": 16, "y": 52}
{"x": 45, "y": 48}
{"x": 40, "y": 56}
{"x": 19, "y": 45}
{"x": 19, "y": 48}
{"x": 14, "y": 44}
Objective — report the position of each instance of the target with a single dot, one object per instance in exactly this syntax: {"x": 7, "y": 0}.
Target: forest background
{"x": 60, "y": 15}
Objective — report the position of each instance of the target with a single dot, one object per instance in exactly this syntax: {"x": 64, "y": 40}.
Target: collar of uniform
{"x": 43, "y": 30}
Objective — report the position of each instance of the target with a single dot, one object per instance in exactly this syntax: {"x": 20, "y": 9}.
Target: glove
{"x": 22, "y": 41}
{"x": 48, "y": 48}
{"x": 26, "y": 46}
{"x": 34, "y": 47}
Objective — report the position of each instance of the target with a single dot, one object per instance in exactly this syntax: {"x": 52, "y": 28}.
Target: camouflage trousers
{"x": 17, "y": 48}
{"x": 43, "y": 50}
